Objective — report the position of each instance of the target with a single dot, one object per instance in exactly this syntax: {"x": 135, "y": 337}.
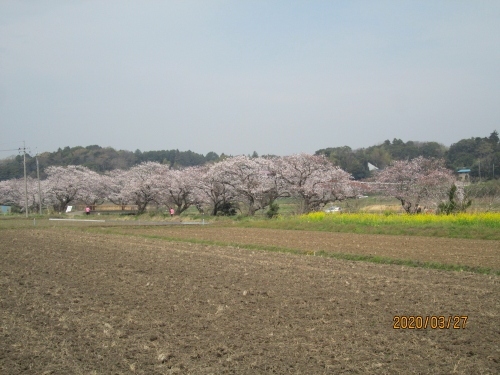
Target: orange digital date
{"x": 432, "y": 321}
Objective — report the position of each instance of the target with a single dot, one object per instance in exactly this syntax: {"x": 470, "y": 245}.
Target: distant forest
{"x": 480, "y": 155}
{"x": 100, "y": 159}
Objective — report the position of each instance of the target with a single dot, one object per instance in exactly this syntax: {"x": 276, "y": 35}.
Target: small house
{"x": 464, "y": 175}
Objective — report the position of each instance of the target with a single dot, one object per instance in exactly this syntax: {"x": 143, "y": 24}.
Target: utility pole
{"x": 39, "y": 191}
{"x": 25, "y": 180}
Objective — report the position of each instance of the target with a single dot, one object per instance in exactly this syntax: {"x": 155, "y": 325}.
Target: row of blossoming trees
{"x": 251, "y": 184}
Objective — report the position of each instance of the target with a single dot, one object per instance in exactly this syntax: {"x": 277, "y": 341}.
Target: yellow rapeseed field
{"x": 489, "y": 219}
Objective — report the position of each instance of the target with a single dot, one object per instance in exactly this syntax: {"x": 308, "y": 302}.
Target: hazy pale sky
{"x": 277, "y": 77}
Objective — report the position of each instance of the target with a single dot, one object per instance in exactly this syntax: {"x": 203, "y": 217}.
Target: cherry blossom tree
{"x": 251, "y": 179}
{"x": 340, "y": 185}
{"x": 178, "y": 188}
{"x": 314, "y": 180}
{"x": 12, "y": 193}
{"x": 212, "y": 190}
{"x": 64, "y": 184}
{"x": 5, "y": 191}
{"x": 94, "y": 189}
{"x": 114, "y": 182}
{"x": 142, "y": 185}
{"x": 272, "y": 186}
{"x": 416, "y": 183}
{"x": 279, "y": 188}
{"x": 235, "y": 182}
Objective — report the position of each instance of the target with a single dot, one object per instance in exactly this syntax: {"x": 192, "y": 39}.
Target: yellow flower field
{"x": 489, "y": 219}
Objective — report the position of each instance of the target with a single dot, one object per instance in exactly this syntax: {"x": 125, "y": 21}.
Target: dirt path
{"x": 74, "y": 303}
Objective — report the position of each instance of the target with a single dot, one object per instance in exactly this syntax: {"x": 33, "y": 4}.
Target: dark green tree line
{"x": 99, "y": 159}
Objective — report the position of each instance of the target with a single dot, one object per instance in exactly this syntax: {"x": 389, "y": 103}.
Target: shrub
{"x": 273, "y": 210}
{"x": 457, "y": 202}
{"x": 227, "y": 209}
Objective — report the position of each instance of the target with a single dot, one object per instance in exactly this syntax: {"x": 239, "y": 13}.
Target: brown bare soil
{"x": 78, "y": 303}
{"x": 473, "y": 253}
{"x": 382, "y": 207}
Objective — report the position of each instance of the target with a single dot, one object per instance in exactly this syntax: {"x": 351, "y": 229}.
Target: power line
{"x": 9, "y": 143}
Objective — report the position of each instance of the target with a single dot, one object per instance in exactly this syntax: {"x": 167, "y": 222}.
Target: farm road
{"x": 80, "y": 303}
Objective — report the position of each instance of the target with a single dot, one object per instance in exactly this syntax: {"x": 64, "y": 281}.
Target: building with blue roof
{"x": 464, "y": 174}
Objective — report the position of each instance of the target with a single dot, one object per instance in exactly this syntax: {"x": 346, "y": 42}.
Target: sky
{"x": 276, "y": 77}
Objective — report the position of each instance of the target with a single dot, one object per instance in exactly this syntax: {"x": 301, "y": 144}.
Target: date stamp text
{"x": 432, "y": 322}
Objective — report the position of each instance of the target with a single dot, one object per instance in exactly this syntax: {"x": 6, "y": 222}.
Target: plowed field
{"x": 473, "y": 253}
{"x": 80, "y": 302}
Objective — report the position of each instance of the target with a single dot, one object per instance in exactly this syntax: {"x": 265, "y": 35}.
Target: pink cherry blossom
{"x": 416, "y": 183}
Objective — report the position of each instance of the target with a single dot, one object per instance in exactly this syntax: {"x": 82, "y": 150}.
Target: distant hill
{"x": 356, "y": 161}
{"x": 100, "y": 159}
{"x": 481, "y": 155}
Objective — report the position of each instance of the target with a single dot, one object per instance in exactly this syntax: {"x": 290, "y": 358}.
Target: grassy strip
{"x": 325, "y": 254}
{"x": 470, "y": 226}
{"x": 478, "y": 233}
{"x": 484, "y": 226}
